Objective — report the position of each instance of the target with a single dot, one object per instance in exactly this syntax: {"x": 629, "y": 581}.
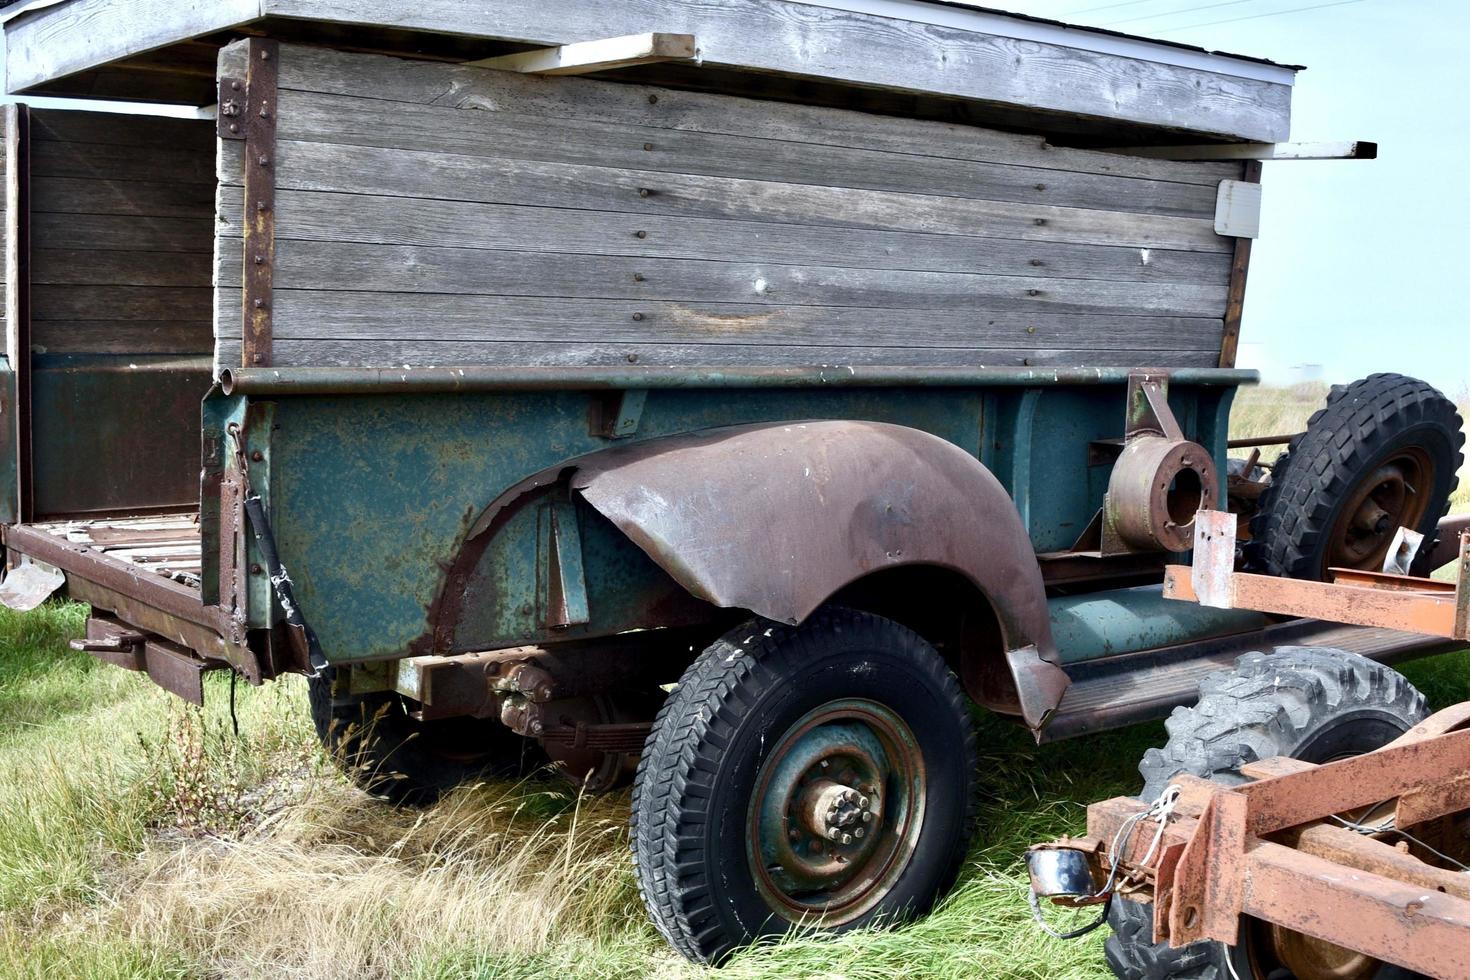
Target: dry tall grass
{"x": 139, "y": 838}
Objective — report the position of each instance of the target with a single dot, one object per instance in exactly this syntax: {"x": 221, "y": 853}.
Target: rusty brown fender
{"x": 776, "y": 518}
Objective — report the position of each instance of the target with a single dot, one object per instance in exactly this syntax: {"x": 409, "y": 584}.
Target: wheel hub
{"x": 836, "y": 811}
{"x": 1393, "y": 495}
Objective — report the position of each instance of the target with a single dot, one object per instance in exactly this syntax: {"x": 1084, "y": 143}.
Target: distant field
{"x": 140, "y": 838}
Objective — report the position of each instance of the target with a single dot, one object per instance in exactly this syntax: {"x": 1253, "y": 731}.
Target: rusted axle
{"x": 1276, "y": 849}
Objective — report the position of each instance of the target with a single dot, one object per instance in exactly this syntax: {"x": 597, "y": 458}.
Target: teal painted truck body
{"x": 373, "y": 496}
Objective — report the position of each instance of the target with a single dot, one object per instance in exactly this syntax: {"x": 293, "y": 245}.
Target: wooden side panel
{"x": 11, "y": 443}
{"x": 432, "y": 214}
{"x": 121, "y": 233}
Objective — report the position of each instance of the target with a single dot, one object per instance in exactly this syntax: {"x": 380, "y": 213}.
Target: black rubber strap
{"x": 301, "y": 634}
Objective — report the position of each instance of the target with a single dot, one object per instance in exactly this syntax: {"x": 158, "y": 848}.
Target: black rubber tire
{"x": 1302, "y": 702}
{"x": 733, "y": 704}
{"x": 1362, "y": 424}
{"x": 372, "y": 739}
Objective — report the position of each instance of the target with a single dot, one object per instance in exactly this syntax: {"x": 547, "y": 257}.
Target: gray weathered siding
{"x": 120, "y": 233}
{"x": 433, "y": 214}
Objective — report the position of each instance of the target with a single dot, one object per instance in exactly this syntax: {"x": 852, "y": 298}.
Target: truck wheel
{"x": 375, "y": 741}
{"x": 822, "y": 774}
{"x": 1317, "y": 705}
{"x": 1383, "y": 453}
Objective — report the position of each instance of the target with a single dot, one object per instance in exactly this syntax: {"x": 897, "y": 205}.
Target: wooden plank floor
{"x": 166, "y": 543}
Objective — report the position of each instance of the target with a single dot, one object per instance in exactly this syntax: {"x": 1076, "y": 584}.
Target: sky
{"x": 1361, "y": 265}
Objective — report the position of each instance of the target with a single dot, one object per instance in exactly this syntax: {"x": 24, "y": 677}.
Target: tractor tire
{"x": 822, "y": 774}
{"x": 1384, "y": 451}
{"x": 385, "y": 752}
{"x": 1316, "y": 705}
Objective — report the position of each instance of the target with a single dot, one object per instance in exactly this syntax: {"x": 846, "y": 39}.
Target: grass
{"x": 140, "y": 838}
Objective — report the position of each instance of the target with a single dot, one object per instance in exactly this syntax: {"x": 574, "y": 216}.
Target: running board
{"x": 1138, "y": 687}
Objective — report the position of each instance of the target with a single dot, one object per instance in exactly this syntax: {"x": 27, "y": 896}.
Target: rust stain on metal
{"x": 248, "y": 112}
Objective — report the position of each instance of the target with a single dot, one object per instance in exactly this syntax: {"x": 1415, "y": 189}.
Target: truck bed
{"x": 166, "y": 544}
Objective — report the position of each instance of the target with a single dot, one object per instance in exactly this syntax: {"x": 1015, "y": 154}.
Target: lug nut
{"x": 859, "y": 833}
{"x": 847, "y": 838}
{"x": 867, "y": 816}
{"x": 864, "y": 802}
{"x": 833, "y": 833}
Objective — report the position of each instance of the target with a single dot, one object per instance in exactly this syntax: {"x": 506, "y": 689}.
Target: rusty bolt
{"x": 235, "y": 86}
{"x": 256, "y": 358}
{"x": 229, "y": 108}
{"x": 794, "y": 834}
{"x": 638, "y": 277}
{"x": 265, "y": 112}
{"x": 1033, "y": 292}
{"x": 260, "y": 206}
{"x": 265, "y": 161}
{"x": 1041, "y": 187}
{"x": 254, "y": 568}
{"x": 257, "y": 456}
{"x": 1037, "y": 262}
{"x": 260, "y": 260}
{"x": 632, "y": 358}
{"x": 1030, "y": 329}
{"x": 234, "y": 128}
{"x": 637, "y": 316}
{"x": 648, "y": 146}
{"x": 1039, "y": 221}
{"x": 644, "y": 192}
{"x": 640, "y": 234}
{"x": 265, "y": 55}
{"x": 653, "y": 100}
{"x": 259, "y": 304}
{"x": 1026, "y": 361}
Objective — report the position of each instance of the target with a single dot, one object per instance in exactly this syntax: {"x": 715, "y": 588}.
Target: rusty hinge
{"x": 247, "y": 113}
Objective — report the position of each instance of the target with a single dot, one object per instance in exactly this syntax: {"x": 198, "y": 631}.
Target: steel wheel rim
{"x": 1396, "y": 494}
{"x": 838, "y": 762}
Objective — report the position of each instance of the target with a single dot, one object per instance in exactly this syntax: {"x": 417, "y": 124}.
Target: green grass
{"x": 139, "y": 838}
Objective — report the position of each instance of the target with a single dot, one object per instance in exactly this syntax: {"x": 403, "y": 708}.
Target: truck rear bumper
{"x": 109, "y": 564}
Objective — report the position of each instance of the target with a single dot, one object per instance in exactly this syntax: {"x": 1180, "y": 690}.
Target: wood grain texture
{"x": 348, "y": 353}
{"x": 121, "y": 234}
{"x": 367, "y": 219}
{"x": 459, "y": 177}
{"x": 401, "y": 318}
{"x": 473, "y": 273}
{"x": 366, "y": 76}
{"x": 465, "y": 228}
{"x": 116, "y": 336}
{"x": 554, "y": 139}
{"x": 80, "y": 34}
{"x": 809, "y": 41}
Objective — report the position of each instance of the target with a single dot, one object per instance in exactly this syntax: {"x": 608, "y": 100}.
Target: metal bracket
{"x": 616, "y": 416}
{"x": 247, "y": 112}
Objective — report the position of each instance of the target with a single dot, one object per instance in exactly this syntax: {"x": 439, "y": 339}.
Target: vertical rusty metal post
{"x": 247, "y": 111}
{"x": 1235, "y": 298}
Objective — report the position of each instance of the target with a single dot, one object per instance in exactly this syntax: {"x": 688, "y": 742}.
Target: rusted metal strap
{"x": 247, "y": 111}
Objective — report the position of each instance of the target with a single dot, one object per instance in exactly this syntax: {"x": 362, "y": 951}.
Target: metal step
{"x": 1137, "y": 687}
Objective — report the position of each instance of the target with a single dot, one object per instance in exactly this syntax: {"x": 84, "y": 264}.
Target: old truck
{"x": 724, "y": 395}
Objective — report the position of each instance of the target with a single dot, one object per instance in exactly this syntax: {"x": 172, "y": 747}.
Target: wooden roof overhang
{"x": 935, "y": 58}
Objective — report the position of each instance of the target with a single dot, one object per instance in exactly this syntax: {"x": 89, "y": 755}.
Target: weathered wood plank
{"x": 447, "y": 176}
{"x": 81, "y": 34}
{"x": 82, "y": 267}
{"x": 473, "y": 273}
{"x": 324, "y": 217}
{"x": 323, "y": 315}
{"x": 349, "y": 353}
{"x": 98, "y": 232}
{"x": 119, "y": 129}
{"x": 553, "y": 139}
{"x": 890, "y": 53}
{"x": 49, "y": 302}
{"x": 152, "y": 336}
{"x": 152, "y": 199}
{"x": 184, "y": 164}
{"x": 323, "y": 70}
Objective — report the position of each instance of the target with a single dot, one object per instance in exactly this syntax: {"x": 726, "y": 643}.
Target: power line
{"x": 1176, "y": 13}
{"x": 1274, "y": 13}
{"x": 1106, "y": 6}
